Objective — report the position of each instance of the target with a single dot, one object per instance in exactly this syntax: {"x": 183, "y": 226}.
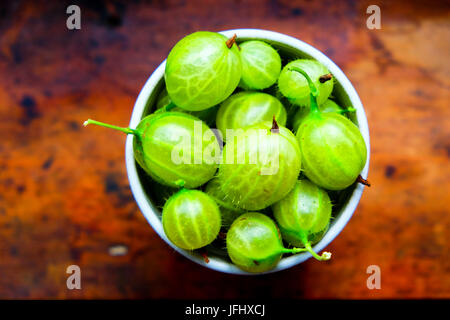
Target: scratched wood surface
{"x": 64, "y": 193}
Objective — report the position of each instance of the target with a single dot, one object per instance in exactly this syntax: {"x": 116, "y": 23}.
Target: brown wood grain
{"x": 64, "y": 193}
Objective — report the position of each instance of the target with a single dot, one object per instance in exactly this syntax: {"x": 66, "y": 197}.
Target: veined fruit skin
{"x": 304, "y": 214}
{"x": 248, "y": 108}
{"x": 295, "y": 87}
{"x": 302, "y": 113}
{"x": 228, "y": 211}
{"x": 201, "y": 71}
{"x": 261, "y": 65}
{"x": 248, "y": 179}
{"x": 207, "y": 115}
{"x": 333, "y": 150}
{"x": 159, "y": 135}
{"x": 191, "y": 219}
{"x": 254, "y": 243}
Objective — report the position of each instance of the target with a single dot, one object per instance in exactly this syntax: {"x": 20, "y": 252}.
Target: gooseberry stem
{"x": 204, "y": 255}
{"x": 293, "y": 250}
{"x": 349, "y": 109}
{"x": 325, "y": 255}
{"x": 106, "y": 125}
{"x": 325, "y": 77}
{"x": 169, "y": 107}
{"x": 231, "y": 41}
{"x": 363, "y": 181}
{"x": 275, "y": 127}
{"x": 180, "y": 183}
{"x": 314, "y": 92}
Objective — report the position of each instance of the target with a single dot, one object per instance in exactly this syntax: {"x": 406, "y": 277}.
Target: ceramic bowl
{"x": 289, "y": 48}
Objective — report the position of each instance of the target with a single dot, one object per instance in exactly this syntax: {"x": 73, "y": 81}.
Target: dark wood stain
{"x": 389, "y": 171}
{"x": 30, "y": 109}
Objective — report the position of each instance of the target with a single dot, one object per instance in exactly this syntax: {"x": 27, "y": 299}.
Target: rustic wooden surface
{"x": 64, "y": 193}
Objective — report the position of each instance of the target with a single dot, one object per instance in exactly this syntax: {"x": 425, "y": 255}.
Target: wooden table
{"x": 64, "y": 193}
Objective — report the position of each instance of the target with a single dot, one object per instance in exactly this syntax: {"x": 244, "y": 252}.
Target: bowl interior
{"x": 150, "y": 196}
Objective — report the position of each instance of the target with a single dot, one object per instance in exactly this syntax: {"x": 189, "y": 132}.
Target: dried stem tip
{"x": 325, "y": 77}
{"x": 275, "y": 127}
{"x": 204, "y": 255}
{"x": 231, "y": 41}
{"x": 363, "y": 181}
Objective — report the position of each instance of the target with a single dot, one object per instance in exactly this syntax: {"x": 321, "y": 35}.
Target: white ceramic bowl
{"x": 287, "y": 46}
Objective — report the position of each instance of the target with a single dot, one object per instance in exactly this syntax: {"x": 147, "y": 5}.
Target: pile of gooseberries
{"x": 251, "y": 183}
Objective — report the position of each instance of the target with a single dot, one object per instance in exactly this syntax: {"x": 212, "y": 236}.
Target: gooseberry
{"x": 294, "y": 86}
{"x": 191, "y": 219}
{"x": 229, "y": 212}
{"x": 158, "y": 136}
{"x": 254, "y": 243}
{"x": 303, "y": 216}
{"x": 247, "y": 108}
{"x": 261, "y": 65}
{"x": 332, "y": 147}
{"x": 163, "y": 101}
{"x": 261, "y": 167}
{"x": 302, "y": 113}
{"x": 328, "y": 106}
{"x": 202, "y": 70}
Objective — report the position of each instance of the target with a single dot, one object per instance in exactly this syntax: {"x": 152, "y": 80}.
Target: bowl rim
{"x": 151, "y": 213}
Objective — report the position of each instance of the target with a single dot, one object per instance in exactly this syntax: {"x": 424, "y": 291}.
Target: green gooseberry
{"x": 202, "y": 70}
{"x": 327, "y": 106}
{"x": 291, "y": 109}
{"x": 228, "y": 210}
{"x": 261, "y": 65}
{"x": 260, "y": 167}
{"x": 303, "y": 216}
{"x": 294, "y": 86}
{"x": 163, "y": 101}
{"x": 254, "y": 243}
{"x": 332, "y": 147}
{"x": 302, "y": 113}
{"x": 191, "y": 219}
{"x": 158, "y": 138}
{"x": 247, "y": 108}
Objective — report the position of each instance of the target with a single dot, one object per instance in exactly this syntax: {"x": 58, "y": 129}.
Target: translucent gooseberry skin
{"x": 207, "y": 115}
{"x": 295, "y": 87}
{"x": 254, "y": 243}
{"x": 302, "y": 113}
{"x": 252, "y": 179}
{"x": 157, "y": 135}
{"x": 304, "y": 214}
{"x": 332, "y": 147}
{"x": 261, "y": 65}
{"x": 201, "y": 71}
{"x": 228, "y": 211}
{"x": 248, "y": 108}
{"x": 333, "y": 150}
{"x": 191, "y": 219}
